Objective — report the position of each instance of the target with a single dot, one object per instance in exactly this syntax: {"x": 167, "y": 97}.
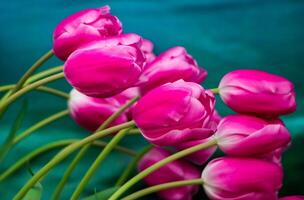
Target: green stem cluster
{"x": 64, "y": 153}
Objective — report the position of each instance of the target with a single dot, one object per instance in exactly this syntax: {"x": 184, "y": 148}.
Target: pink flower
{"x": 243, "y": 135}
{"x": 175, "y": 113}
{"x": 170, "y": 66}
{"x": 242, "y": 179}
{"x": 106, "y": 67}
{"x": 175, "y": 171}
{"x": 147, "y": 48}
{"x": 83, "y": 27}
{"x": 257, "y": 92}
{"x": 90, "y": 112}
{"x": 292, "y": 198}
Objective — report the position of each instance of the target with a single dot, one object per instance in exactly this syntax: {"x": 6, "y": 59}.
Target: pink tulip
{"x": 242, "y": 179}
{"x": 292, "y": 198}
{"x": 175, "y": 171}
{"x": 243, "y": 135}
{"x": 147, "y": 48}
{"x": 106, "y": 67}
{"x": 175, "y": 113}
{"x": 83, "y": 27}
{"x": 90, "y": 112}
{"x": 170, "y": 66}
{"x": 257, "y": 92}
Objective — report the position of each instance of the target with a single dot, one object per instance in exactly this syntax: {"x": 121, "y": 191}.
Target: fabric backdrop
{"x": 222, "y": 35}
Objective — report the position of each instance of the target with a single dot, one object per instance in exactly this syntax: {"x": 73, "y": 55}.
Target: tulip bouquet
{"x": 120, "y": 87}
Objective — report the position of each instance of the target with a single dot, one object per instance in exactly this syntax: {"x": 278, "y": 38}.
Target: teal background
{"x": 222, "y": 35}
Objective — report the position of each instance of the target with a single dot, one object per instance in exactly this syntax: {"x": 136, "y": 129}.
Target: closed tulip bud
{"x": 90, "y": 112}
{"x": 257, "y": 92}
{"x": 170, "y": 66}
{"x": 106, "y": 67}
{"x": 244, "y": 135}
{"x": 292, "y": 198}
{"x": 147, "y": 48}
{"x": 174, "y": 171}
{"x": 242, "y": 179}
{"x": 175, "y": 113}
{"x": 83, "y": 27}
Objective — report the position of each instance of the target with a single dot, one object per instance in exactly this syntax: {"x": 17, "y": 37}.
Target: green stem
{"x": 27, "y": 89}
{"x": 114, "y": 116}
{"x": 126, "y": 173}
{"x": 163, "y": 186}
{"x": 42, "y": 89}
{"x": 84, "y": 149}
{"x": 54, "y": 145}
{"x": 40, "y": 124}
{"x": 159, "y": 164}
{"x": 215, "y": 90}
{"x": 32, "y": 69}
{"x": 68, "y": 172}
{"x": 43, "y": 74}
{"x": 101, "y": 157}
{"x": 64, "y": 153}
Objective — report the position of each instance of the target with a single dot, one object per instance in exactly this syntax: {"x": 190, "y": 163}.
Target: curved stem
{"x": 43, "y": 74}
{"x": 32, "y": 69}
{"x": 163, "y": 186}
{"x": 126, "y": 173}
{"x": 27, "y": 89}
{"x": 42, "y": 89}
{"x": 116, "y": 114}
{"x": 54, "y": 145}
{"x": 159, "y": 164}
{"x": 40, "y": 124}
{"x": 101, "y": 157}
{"x": 64, "y": 153}
{"x": 215, "y": 90}
{"x": 84, "y": 149}
{"x": 68, "y": 172}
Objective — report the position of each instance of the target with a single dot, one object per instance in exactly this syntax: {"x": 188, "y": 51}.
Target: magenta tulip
{"x": 147, "y": 48}
{"x": 106, "y": 67}
{"x": 257, "y": 92}
{"x": 170, "y": 66}
{"x": 175, "y": 113}
{"x": 175, "y": 171}
{"x": 90, "y": 112}
{"x": 242, "y": 179}
{"x": 83, "y": 27}
{"x": 292, "y": 198}
{"x": 244, "y": 135}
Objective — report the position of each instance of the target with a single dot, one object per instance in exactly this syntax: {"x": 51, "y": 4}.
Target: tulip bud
{"x": 170, "y": 66}
{"x": 177, "y": 170}
{"x": 257, "y": 92}
{"x": 90, "y": 112}
{"x": 83, "y": 27}
{"x": 242, "y": 179}
{"x": 243, "y": 135}
{"x": 175, "y": 113}
{"x": 147, "y": 48}
{"x": 292, "y": 198}
{"x": 106, "y": 67}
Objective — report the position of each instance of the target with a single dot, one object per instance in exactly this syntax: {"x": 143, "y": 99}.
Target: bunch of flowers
{"x": 121, "y": 87}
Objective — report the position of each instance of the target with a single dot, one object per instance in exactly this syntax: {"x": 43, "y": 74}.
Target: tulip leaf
{"x": 4, "y": 149}
{"x": 102, "y": 195}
